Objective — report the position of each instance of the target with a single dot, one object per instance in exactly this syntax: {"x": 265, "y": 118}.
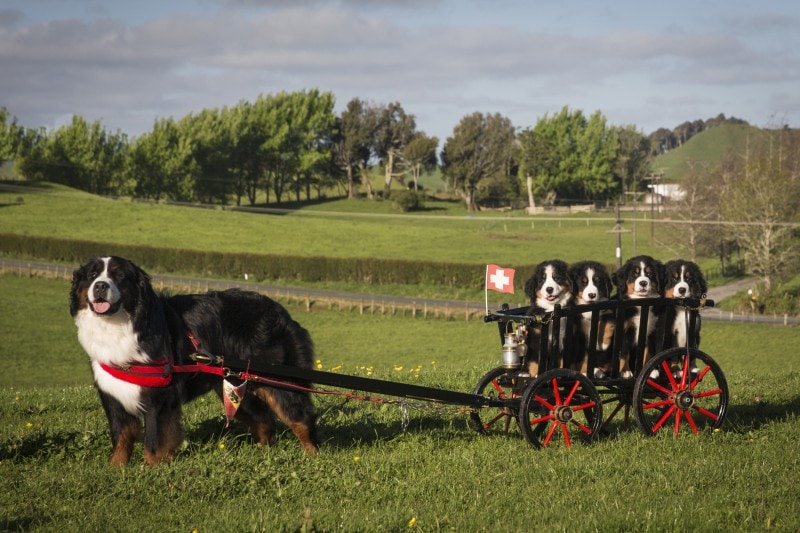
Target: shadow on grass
{"x": 743, "y": 418}
{"x": 343, "y": 427}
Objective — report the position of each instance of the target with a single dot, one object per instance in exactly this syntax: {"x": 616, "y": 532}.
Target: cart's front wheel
{"x": 679, "y": 389}
{"x": 559, "y": 405}
{"x": 501, "y": 384}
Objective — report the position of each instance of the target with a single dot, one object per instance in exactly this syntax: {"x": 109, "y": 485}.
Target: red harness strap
{"x": 159, "y": 373}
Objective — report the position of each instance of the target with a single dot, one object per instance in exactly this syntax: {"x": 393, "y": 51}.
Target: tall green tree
{"x": 162, "y": 163}
{"x": 211, "y": 141}
{"x": 633, "y": 159}
{"x": 571, "y": 157}
{"x": 394, "y": 130}
{"x": 479, "y": 152}
{"x": 419, "y": 155}
{"x": 352, "y": 144}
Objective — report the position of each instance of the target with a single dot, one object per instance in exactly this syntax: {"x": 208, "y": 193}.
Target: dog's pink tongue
{"x": 101, "y": 307}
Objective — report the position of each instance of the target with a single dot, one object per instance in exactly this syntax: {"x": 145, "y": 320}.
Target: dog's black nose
{"x": 643, "y": 283}
{"x": 682, "y": 290}
{"x": 592, "y": 295}
{"x": 549, "y": 290}
{"x": 100, "y": 289}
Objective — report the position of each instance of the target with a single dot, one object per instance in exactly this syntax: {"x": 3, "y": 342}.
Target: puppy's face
{"x": 551, "y": 285}
{"x": 592, "y": 283}
{"x": 639, "y": 278}
{"x": 683, "y": 279}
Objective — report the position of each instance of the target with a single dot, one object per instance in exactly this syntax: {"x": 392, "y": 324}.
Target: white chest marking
{"x": 111, "y": 340}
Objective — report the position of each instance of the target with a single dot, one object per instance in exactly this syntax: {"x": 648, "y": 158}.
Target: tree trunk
{"x": 387, "y": 173}
{"x": 531, "y": 201}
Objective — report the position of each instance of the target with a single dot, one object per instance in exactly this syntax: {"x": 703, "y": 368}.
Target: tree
{"x": 419, "y": 154}
{"x": 537, "y": 158}
{"x": 394, "y": 130}
{"x": 162, "y": 163}
{"x": 480, "y": 150}
{"x": 568, "y": 156}
{"x": 211, "y": 141}
{"x": 352, "y": 144}
{"x": 760, "y": 192}
{"x": 597, "y": 150}
{"x": 632, "y": 162}
{"x": 10, "y": 136}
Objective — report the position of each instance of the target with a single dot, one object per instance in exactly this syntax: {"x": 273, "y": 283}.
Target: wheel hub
{"x": 684, "y": 399}
{"x": 563, "y": 413}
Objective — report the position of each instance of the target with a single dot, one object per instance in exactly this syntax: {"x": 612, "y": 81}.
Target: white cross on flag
{"x": 500, "y": 279}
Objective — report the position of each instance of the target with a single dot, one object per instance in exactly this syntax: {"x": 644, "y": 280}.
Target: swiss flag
{"x": 500, "y": 279}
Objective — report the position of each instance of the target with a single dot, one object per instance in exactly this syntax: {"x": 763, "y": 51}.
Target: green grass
{"x": 480, "y": 239}
{"x": 371, "y": 475}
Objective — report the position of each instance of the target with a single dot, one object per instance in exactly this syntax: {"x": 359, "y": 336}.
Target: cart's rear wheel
{"x": 690, "y": 393}
{"x": 497, "y": 383}
{"x": 559, "y": 405}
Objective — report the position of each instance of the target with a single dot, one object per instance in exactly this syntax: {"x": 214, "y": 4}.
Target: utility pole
{"x": 619, "y": 231}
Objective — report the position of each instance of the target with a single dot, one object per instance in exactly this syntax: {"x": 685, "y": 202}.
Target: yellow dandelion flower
{"x": 412, "y": 522}
{"x": 398, "y": 368}
{"x": 29, "y": 425}
{"x": 221, "y": 445}
{"x": 319, "y": 366}
{"x": 356, "y": 458}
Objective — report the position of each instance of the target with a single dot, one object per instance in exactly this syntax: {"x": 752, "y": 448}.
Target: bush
{"x": 406, "y": 201}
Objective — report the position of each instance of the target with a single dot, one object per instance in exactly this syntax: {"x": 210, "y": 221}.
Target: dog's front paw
{"x": 599, "y": 374}
{"x": 627, "y": 374}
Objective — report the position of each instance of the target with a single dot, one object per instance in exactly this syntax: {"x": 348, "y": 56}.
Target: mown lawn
{"x": 374, "y": 472}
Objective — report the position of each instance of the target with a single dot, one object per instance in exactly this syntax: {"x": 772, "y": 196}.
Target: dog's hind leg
{"x": 296, "y": 411}
{"x": 256, "y": 415}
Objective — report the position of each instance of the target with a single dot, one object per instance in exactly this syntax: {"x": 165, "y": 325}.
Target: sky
{"x": 646, "y": 64}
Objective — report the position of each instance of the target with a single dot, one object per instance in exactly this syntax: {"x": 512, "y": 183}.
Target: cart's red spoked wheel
{"x": 689, "y": 393}
{"x": 558, "y": 407}
{"x": 497, "y": 383}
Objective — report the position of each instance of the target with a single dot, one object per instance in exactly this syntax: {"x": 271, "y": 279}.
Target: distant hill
{"x": 705, "y": 149}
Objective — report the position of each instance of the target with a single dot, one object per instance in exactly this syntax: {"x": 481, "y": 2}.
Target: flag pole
{"x": 486, "y": 289}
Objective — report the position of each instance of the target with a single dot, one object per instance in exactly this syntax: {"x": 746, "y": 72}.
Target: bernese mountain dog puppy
{"x": 124, "y": 324}
{"x": 682, "y": 279}
{"x": 640, "y": 277}
{"x": 592, "y": 284}
{"x": 550, "y": 285}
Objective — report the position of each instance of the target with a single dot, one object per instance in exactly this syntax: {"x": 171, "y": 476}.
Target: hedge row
{"x": 259, "y": 267}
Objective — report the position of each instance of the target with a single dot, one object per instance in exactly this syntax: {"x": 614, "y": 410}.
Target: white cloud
{"x": 173, "y": 62}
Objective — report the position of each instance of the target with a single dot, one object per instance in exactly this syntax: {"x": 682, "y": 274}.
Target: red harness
{"x": 159, "y": 373}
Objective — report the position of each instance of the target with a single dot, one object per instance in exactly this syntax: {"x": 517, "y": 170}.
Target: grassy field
{"x": 372, "y": 473}
{"x": 326, "y": 230}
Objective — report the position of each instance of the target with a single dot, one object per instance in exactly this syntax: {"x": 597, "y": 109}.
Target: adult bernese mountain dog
{"x": 640, "y": 277}
{"x": 550, "y": 285}
{"x": 592, "y": 284}
{"x": 124, "y": 324}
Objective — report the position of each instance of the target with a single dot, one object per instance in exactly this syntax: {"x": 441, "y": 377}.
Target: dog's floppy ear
{"x": 661, "y": 275}
{"x": 621, "y": 278}
{"x": 530, "y": 287}
{"x": 701, "y": 280}
{"x": 562, "y": 266}
{"x": 607, "y": 283}
{"x": 74, "y": 300}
